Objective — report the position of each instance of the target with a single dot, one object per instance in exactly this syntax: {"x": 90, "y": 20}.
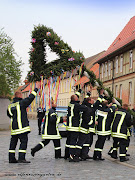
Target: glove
{"x": 36, "y": 90}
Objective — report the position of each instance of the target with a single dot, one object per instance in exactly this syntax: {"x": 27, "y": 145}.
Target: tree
{"x": 10, "y": 73}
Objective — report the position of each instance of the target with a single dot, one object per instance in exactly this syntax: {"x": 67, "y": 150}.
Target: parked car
{"x": 62, "y": 111}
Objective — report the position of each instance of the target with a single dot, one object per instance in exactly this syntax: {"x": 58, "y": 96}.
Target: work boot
{"x": 124, "y": 159}
{"x": 23, "y": 161}
{"x": 13, "y": 161}
{"x": 35, "y": 149}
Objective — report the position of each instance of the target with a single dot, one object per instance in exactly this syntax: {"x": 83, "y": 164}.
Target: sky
{"x": 89, "y": 26}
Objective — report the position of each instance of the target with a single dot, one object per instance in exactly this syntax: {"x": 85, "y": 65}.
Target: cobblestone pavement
{"x": 45, "y": 166}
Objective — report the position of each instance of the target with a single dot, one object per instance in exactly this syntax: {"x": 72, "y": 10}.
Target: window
{"x": 130, "y": 92}
{"x": 131, "y": 60}
{"x": 105, "y": 69}
{"x": 109, "y": 68}
{"x": 121, "y": 63}
{"x": 116, "y": 91}
{"x": 120, "y": 91}
{"x": 116, "y": 64}
{"x": 102, "y": 70}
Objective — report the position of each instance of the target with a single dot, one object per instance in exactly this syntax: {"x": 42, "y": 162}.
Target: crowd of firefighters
{"x": 84, "y": 120}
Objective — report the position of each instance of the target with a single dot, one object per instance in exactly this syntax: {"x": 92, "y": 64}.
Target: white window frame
{"x": 116, "y": 91}
{"x": 121, "y": 63}
{"x": 131, "y": 59}
{"x": 109, "y": 68}
{"x": 106, "y": 69}
{"x": 130, "y": 92}
{"x": 120, "y": 91}
{"x": 116, "y": 65}
{"x": 102, "y": 70}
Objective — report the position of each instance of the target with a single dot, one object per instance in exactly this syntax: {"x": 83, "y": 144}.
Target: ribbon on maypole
{"x": 58, "y": 89}
{"x": 41, "y": 89}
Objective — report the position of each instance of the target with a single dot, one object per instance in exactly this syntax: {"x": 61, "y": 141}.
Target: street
{"x": 45, "y": 166}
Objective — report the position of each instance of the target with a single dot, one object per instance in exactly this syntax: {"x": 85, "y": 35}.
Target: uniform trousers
{"x": 73, "y": 142}
{"x": 39, "y": 125}
{"x": 99, "y": 146}
{"x": 122, "y": 147}
{"x": 88, "y": 143}
{"x": 23, "y": 146}
{"x": 56, "y": 143}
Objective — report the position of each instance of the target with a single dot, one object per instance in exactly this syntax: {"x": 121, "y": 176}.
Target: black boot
{"x": 35, "y": 149}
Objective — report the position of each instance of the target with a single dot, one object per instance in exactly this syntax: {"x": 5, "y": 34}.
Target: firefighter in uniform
{"x": 19, "y": 125}
{"x": 40, "y": 115}
{"x": 119, "y": 131}
{"x": 104, "y": 117}
{"x": 73, "y": 121}
{"x": 50, "y": 132}
{"x": 87, "y": 119}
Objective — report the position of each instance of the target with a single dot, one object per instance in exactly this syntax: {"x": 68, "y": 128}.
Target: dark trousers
{"x": 43, "y": 143}
{"x": 23, "y": 146}
{"x": 99, "y": 146}
{"x": 79, "y": 146}
{"x": 39, "y": 125}
{"x": 67, "y": 145}
{"x": 122, "y": 147}
{"x": 73, "y": 142}
{"x": 88, "y": 143}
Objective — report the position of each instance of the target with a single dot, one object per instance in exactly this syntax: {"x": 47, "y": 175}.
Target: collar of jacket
{"x": 74, "y": 102}
{"x": 17, "y": 99}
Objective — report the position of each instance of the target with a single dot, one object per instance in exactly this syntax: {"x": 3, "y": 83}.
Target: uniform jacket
{"x": 18, "y": 114}
{"x": 121, "y": 123}
{"x": 73, "y": 116}
{"x": 104, "y": 116}
{"x": 50, "y": 125}
{"x": 87, "y": 119}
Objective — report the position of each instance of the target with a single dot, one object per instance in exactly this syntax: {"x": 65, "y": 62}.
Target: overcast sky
{"x": 86, "y": 25}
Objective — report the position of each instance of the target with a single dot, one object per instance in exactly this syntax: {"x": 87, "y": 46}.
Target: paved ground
{"x": 45, "y": 166}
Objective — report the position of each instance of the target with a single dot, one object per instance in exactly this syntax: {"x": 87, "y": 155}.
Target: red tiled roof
{"x": 126, "y": 36}
{"x": 83, "y": 80}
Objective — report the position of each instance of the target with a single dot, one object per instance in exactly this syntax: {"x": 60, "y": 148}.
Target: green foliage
{"x": 38, "y": 62}
{"x": 10, "y": 72}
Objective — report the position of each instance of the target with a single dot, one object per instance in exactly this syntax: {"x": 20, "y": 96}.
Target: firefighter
{"x": 40, "y": 115}
{"x": 78, "y": 93}
{"x": 104, "y": 116}
{"x": 73, "y": 121}
{"x": 50, "y": 132}
{"x": 119, "y": 131}
{"x": 87, "y": 119}
{"x": 19, "y": 125}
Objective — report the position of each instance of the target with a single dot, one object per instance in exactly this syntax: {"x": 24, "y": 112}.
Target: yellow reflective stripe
{"x": 51, "y": 136}
{"x": 79, "y": 147}
{"x": 67, "y": 145}
{"x": 83, "y": 130}
{"x": 122, "y": 154}
{"x": 92, "y": 130}
{"x": 121, "y": 120}
{"x": 86, "y": 145}
{"x": 71, "y": 146}
{"x": 115, "y": 149}
{"x": 9, "y": 109}
{"x": 126, "y": 148}
{"x": 72, "y": 114}
{"x": 78, "y": 93}
{"x": 76, "y": 129}
{"x": 11, "y": 151}
{"x": 19, "y": 116}
{"x": 115, "y": 105}
{"x": 86, "y": 96}
{"x": 20, "y": 131}
{"x": 99, "y": 99}
{"x": 53, "y": 114}
{"x": 22, "y": 151}
{"x": 57, "y": 148}
{"x": 58, "y": 119}
{"x": 119, "y": 135}
{"x": 34, "y": 93}
{"x": 103, "y": 133}
{"x": 41, "y": 144}
{"x": 98, "y": 149}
